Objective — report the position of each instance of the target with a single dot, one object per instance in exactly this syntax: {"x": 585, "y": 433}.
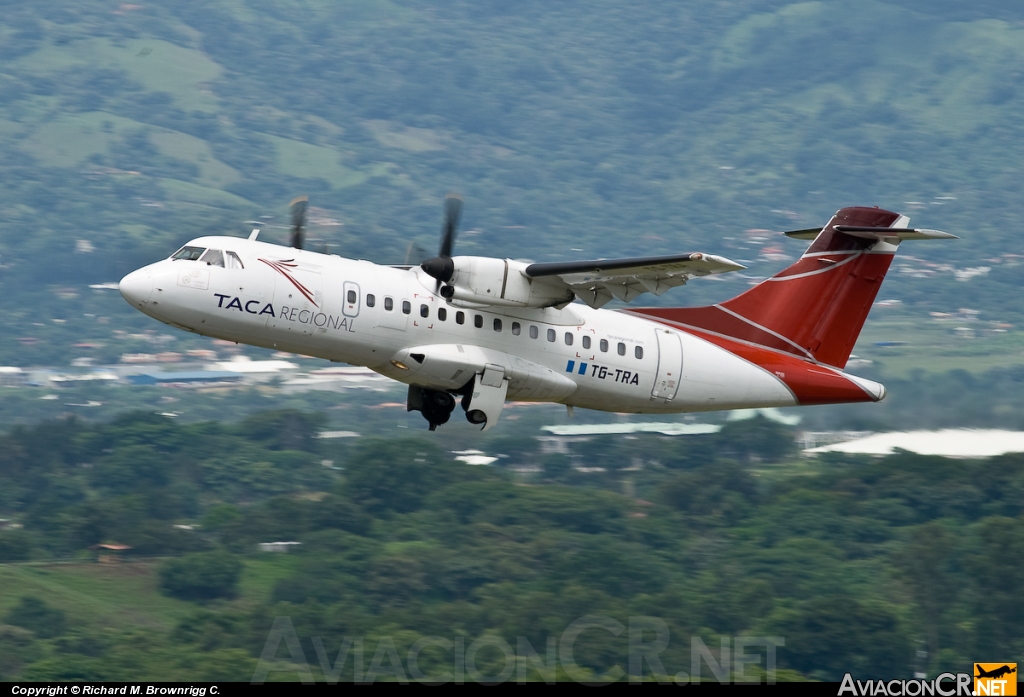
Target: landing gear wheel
{"x": 436, "y": 406}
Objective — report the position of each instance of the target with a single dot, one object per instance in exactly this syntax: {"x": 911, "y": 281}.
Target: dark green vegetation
{"x": 590, "y": 126}
{"x": 856, "y": 563}
{"x": 601, "y": 127}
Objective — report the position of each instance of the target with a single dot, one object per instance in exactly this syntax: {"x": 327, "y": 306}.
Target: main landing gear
{"x": 436, "y": 406}
{"x": 483, "y": 398}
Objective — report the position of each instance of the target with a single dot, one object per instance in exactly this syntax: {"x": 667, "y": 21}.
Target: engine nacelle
{"x": 489, "y": 281}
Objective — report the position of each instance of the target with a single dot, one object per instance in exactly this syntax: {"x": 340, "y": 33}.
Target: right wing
{"x": 597, "y": 282}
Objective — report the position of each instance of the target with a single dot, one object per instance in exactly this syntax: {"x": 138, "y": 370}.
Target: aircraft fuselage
{"x": 376, "y": 316}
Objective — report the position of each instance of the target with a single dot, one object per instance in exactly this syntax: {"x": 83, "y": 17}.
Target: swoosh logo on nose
{"x": 283, "y": 268}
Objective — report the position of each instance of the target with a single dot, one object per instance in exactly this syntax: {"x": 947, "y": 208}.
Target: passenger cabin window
{"x": 638, "y": 352}
{"x": 460, "y": 317}
{"x": 213, "y": 257}
{"x": 534, "y": 332}
{"x": 622, "y": 349}
{"x": 478, "y": 321}
{"x": 551, "y": 335}
{"x": 568, "y": 338}
{"x": 604, "y": 345}
{"x": 232, "y": 261}
{"x": 406, "y": 307}
{"x": 189, "y": 253}
{"x": 442, "y": 314}
{"x": 586, "y": 342}
{"x": 371, "y": 299}
{"x": 389, "y": 304}
{"x": 424, "y": 310}
{"x": 516, "y": 328}
{"x": 497, "y": 324}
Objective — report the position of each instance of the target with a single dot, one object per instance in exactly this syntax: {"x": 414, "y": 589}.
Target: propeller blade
{"x": 452, "y": 213}
{"x": 298, "y": 207}
{"x": 415, "y": 254}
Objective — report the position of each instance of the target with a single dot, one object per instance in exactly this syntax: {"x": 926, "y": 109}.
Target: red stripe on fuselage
{"x": 810, "y": 383}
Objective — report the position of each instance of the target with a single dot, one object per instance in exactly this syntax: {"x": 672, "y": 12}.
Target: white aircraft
{"x": 486, "y": 330}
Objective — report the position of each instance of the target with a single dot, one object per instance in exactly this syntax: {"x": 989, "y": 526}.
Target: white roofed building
{"x": 950, "y": 442}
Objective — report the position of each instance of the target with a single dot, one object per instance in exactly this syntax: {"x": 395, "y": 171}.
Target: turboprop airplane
{"x": 485, "y": 330}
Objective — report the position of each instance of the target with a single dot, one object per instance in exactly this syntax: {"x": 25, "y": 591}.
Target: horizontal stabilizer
{"x": 808, "y": 234}
{"x": 875, "y": 233}
{"x": 879, "y": 233}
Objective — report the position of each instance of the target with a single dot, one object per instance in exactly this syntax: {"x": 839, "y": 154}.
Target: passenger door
{"x": 670, "y": 365}
{"x": 352, "y": 300}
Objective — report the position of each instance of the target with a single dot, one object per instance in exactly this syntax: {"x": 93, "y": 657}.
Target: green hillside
{"x": 590, "y": 129}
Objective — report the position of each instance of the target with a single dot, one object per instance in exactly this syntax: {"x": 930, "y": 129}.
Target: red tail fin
{"x": 815, "y": 308}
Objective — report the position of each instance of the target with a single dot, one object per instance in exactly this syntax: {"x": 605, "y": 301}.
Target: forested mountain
{"x": 598, "y": 127}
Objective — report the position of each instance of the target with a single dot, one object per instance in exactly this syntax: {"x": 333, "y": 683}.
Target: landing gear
{"x": 435, "y": 406}
{"x": 482, "y": 399}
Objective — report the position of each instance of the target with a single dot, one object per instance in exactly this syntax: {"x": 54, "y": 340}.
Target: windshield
{"x": 213, "y": 257}
{"x": 189, "y": 253}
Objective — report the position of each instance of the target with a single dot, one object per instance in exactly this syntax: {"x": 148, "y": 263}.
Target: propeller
{"x": 298, "y": 208}
{"x": 415, "y": 255}
{"x": 441, "y": 267}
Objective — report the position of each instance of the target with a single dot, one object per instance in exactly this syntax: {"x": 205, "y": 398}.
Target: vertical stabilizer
{"x": 816, "y": 308}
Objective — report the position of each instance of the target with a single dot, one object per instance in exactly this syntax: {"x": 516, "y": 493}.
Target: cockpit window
{"x": 233, "y": 262}
{"x": 214, "y": 257}
{"x": 189, "y": 253}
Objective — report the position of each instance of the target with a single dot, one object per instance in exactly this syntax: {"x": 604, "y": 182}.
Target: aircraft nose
{"x": 136, "y": 287}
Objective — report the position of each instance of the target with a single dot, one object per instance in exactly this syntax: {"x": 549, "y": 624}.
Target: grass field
{"x": 181, "y": 146}
{"x": 935, "y": 347}
{"x": 158, "y": 66}
{"x": 69, "y": 139}
{"x": 125, "y": 595}
{"x": 307, "y": 161}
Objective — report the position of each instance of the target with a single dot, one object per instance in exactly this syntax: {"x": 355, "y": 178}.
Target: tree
{"x": 835, "y": 634}
{"x": 15, "y": 545}
{"x": 34, "y": 614}
{"x": 284, "y": 429}
{"x": 557, "y": 467}
{"x": 395, "y": 475}
{"x": 202, "y": 576}
{"x": 758, "y": 438}
{"x": 17, "y": 647}
{"x": 995, "y": 566}
{"x": 924, "y": 561}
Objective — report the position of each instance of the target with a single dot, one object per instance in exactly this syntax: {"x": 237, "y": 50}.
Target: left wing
{"x": 597, "y": 282}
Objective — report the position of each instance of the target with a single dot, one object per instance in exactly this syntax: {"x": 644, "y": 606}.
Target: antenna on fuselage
{"x": 254, "y": 234}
